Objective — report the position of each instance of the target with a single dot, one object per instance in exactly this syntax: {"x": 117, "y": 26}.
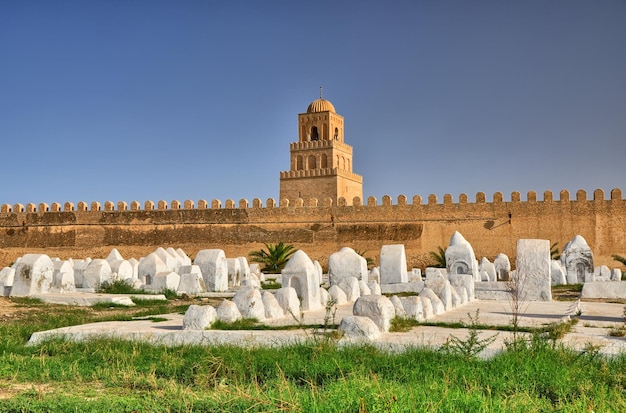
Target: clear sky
{"x": 137, "y": 100}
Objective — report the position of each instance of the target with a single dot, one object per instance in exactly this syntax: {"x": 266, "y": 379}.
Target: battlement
{"x": 305, "y": 145}
{"x": 308, "y": 173}
{"x": 270, "y": 203}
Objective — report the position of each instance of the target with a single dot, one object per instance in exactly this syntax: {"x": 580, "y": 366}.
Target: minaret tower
{"x": 321, "y": 163}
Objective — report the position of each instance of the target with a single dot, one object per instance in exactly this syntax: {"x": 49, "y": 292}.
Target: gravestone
{"x": 616, "y": 274}
{"x": 378, "y": 308}
{"x": 397, "y": 305}
{"x": 63, "y": 277}
{"x": 150, "y": 266}
{"x": 350, "y": 286}
{"x": 300, "y": 273}
{"x": 393, "y": 264}
{"x": 346, "y": 263}
{"x": 413, "y": 308}
{"x": 460, "y": 258}
{"x": 359, "y": 328}
{"x": 337, "y": 294}
{"x": 287, "y": 298}
{"x": 577, "y": 259}
{"x": 489, "y": 268}
{"x": 442, "y": 288}
{"x": 532, "y": 276}
{"x": 33, "y": 275}
{"x": 168, "y": 280}
{"x": 97, "y": 272}
{"x": 271, "y": 306}
{"x": 122, "y": 269}
{"x": 244, "y": 268}
{"x": 228, "y": 312}
{"x": 250, "y": 303}
{"x": 6, "y": 281}
{"x": 557, "y": 273}
{"x": 502, "y": 265}
{"x": 212, "y": 263}
{"x": 191, "y": 281}
{"x": 438, "y": 307}
{"x": 199, "y": 317}
{"x": 234, "y": 271}
{"x": 602, "y": 273}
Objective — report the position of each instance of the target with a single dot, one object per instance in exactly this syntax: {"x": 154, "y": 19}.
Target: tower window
{"x": 336, "y": 134}
{"x": 314, "y": 134}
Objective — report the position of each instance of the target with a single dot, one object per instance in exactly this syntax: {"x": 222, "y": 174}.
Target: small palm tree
{"x": 619, "y": 258}
{"x": 274, "y": 257}
{"x": 555, "y": 254}
{"x": 369, "y": 260}
{"x": 439, "y": 257}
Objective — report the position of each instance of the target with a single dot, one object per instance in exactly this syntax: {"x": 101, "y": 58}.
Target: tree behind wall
{"x": 274, "y": 257}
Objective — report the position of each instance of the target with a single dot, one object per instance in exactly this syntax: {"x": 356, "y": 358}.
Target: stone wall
{"x": 321, "y": 228}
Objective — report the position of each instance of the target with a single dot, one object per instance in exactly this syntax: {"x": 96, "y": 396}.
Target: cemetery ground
{"x": 532, "y": 371}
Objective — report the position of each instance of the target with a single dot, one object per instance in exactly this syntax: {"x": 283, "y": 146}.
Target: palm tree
{"x": 273, "y": 257}
{"x": 369, "y": 260}
{"x": 439, "y": 257}
{"x": 619, "y": 258}
{"x": 554, "y": 251}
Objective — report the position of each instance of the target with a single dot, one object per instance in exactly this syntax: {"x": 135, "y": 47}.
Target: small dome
{"x": 320, "y": 105}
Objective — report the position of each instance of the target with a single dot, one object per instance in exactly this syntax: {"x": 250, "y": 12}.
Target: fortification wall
{"x": 321, "y": 228}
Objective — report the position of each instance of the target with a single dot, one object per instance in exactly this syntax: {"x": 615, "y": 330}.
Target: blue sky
{"x": 138, "y": 100}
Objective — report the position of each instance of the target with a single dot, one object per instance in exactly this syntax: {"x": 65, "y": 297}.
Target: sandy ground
{"x": 592, "y": 329}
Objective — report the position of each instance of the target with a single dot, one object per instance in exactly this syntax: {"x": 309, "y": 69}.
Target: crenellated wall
{"x": 321, "y": 228}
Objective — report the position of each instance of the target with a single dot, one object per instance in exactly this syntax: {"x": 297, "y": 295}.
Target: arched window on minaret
{"x": 314, "y": 134}
{"x": 336, "y": 136}
{"x": 312, "y": 162}
{"x": 324, "y": 161}
{"x": 300, "y": 163}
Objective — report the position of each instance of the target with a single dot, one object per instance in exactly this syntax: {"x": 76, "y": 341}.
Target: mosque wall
{"x": 321, "y": 228}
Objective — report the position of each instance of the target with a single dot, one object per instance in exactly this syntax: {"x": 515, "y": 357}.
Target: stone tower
{"x": 321, "y": 163}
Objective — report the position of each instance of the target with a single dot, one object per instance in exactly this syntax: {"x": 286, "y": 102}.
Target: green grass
{"x": 270, "y": 285}
{"x": 118, "y": 287}
{"x": 122, "y": 376}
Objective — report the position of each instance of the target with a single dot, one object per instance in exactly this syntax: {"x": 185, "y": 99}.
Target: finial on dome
{"x": 321, "y": 93}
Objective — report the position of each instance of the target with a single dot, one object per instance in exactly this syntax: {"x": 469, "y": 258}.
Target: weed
{"x": 402, "y": 324}
{"x": 472, "y": 345}
{"x": 270, "y": 285}
{"x": 169, "y": 293}
{"x": 241, "y": 324}
{"x": 118, "y": 287}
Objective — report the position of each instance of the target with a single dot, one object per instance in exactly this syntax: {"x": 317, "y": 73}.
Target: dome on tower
{"x": 320, "y": 105}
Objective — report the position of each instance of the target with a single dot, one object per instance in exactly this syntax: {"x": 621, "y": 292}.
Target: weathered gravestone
{"x": 532, "y": 277}
{"x": 378, "y": 308}
{"x": 191, "y": 281}
{"x": 460, "y": 258}
{"x": 199, "y": 317}
{"x": 346, "y": 263}
{"x": 300, "y": 273}
{"x": 33, "y": 275}
{"x": 212, "y": 263}
{"x": 503, "y": 267}
{"x": 577, "y": 259}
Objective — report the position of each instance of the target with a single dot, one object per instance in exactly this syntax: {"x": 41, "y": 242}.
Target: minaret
{"x": 321, "y": 163}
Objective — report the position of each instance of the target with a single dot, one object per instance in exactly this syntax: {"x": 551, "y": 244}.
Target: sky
{"x": 164, "y": 100}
